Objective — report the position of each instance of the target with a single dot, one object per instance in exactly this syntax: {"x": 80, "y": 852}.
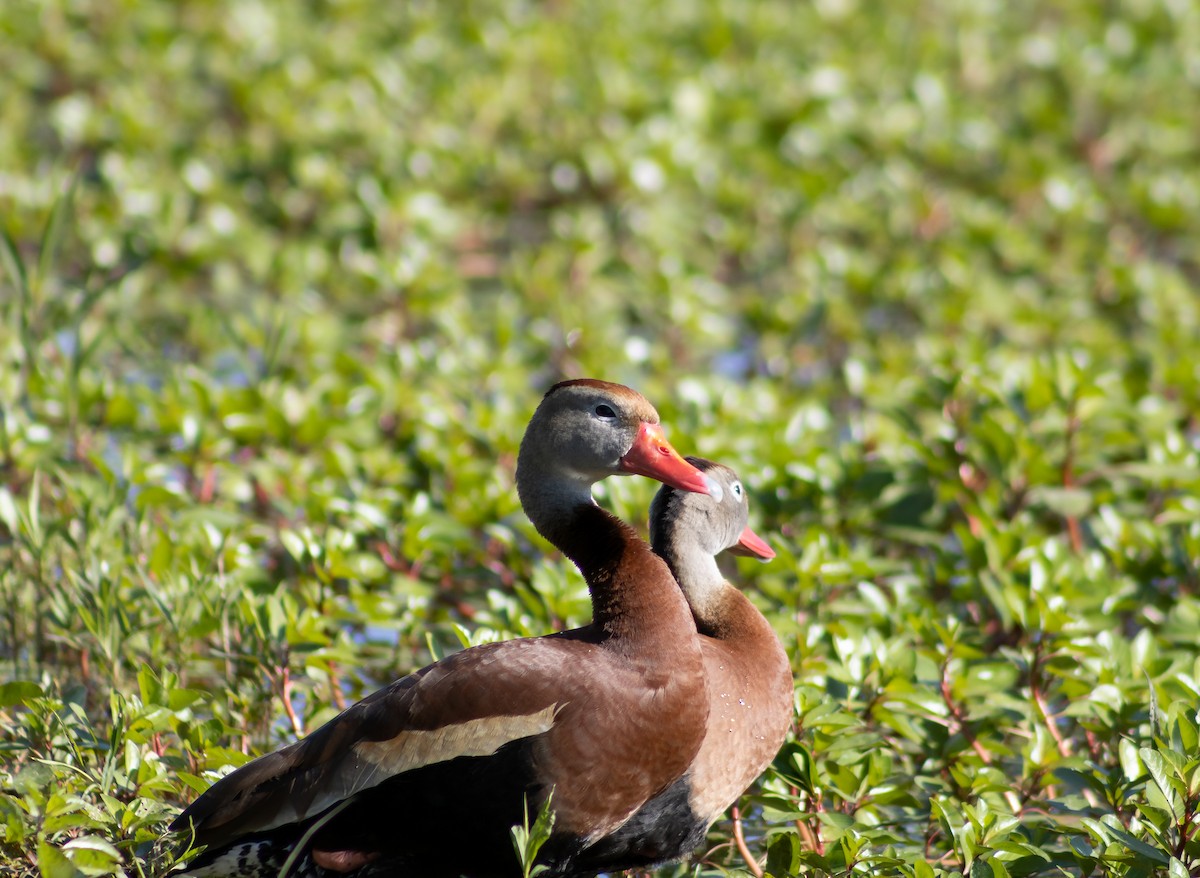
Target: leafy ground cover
{"x": 281, "y": 283}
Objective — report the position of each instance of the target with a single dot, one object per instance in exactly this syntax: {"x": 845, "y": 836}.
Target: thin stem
{"x": 740, "y": 840}
{"x": 810, "y": 838}
{"x": 959, "y": 717}
{"x": 307, "y": 837}
{"x": 335, "y": 687}
{"x": 1186, "y": 827}
{"x": 1039, "y": 699}
{"x": 285, "y": 687}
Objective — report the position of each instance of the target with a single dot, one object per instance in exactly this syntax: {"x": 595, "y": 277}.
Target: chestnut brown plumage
{"x": 427, "y": 776}
{"x": 748, "y": 677}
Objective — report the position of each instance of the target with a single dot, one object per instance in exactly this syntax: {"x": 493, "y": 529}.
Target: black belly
{"x": 454, "y": 819}
{"x": 451, "y": 818}
{"x": 662, "y": 830}
{"x": 439, "y": 821}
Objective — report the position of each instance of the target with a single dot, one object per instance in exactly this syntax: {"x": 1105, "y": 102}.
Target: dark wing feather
{"x": 469, "y": 704}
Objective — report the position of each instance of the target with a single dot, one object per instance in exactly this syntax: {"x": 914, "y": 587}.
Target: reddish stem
{"x": 286, "y": 692}
{"x": 960, "y": 718}
{"x": 740, "y": 840}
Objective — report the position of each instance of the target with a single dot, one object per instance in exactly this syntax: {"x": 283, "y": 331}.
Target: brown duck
{"x": 749, "y": 687}
{"x": 426, "y": 777}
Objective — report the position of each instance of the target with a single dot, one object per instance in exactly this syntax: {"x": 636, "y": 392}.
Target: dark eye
{"x": 737, "y": 489}
{"x": 603, "y": 411}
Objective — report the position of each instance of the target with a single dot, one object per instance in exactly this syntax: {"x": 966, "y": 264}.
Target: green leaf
{"x": 12, "y": 820}
{"x": 1021, "y": 849}
{"x": 1164, "y": 778}
{"x": 55, "y": 231}
{"x": 8, "y": 511}
{"x": 783, "y": 855}
{"x": 1131, "y": 765}
{"x": 14, "y": 266}
{"x": 1184, "y": 736}
{"x": 528, "y": 840}
{"x": 1067, "y": 502}
{"x": 982, "y": 869}
{"x": 18, "y": 692}
{"x": 1137, "y": 845}
{"x": 53, "y": 863}
{"x": 93, "y": 855}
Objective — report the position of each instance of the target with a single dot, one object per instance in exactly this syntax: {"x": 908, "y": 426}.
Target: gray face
{"x": 588, "y": 429}
{"x": 712, "y": 524}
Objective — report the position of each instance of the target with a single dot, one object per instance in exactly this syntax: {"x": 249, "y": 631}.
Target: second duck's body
{"x": 748, "y": 679}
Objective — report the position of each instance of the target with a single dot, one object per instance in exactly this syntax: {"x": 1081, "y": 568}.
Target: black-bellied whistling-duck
{"x": 426, "y": 777}
{"x": 749, "y": 677}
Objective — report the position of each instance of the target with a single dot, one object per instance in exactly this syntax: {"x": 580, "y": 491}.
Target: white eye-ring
{"x": 736, "y": 487}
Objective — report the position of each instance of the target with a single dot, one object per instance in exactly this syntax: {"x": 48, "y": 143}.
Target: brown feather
{"x": 750, "y": 698}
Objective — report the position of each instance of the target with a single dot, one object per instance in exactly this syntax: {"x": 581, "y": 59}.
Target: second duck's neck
{"x": 720, "y": 610}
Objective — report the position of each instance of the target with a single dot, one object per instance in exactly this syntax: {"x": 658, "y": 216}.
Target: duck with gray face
{"x": 601, "y": 718}
{"x": 748, "y": 676}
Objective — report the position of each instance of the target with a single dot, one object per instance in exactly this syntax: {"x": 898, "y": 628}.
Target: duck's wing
{"x": 470, "y": 704}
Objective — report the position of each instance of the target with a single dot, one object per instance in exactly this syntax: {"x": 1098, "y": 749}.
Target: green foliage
{"x": 528, "y": 840}
{"x": 281, "y": 283}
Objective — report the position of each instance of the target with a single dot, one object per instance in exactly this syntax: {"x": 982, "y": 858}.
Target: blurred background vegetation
{"x": 282, "y": 283}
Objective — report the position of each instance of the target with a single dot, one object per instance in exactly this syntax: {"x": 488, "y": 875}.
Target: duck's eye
{"x": 604, "y": 411}
{"x": 737, "y": 489}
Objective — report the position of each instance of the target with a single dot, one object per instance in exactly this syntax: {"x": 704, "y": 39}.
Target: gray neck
{"x": 549, "y": 492}
{"x": 695, "y": 569}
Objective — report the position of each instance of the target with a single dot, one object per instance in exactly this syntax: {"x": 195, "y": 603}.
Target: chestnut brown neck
{"x": 633, "y": 593}
{"x": 731, "y": 616}
{"x": 720, "y": 610}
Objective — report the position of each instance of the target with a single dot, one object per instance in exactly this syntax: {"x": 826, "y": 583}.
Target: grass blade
{"x": 56, "y": 226}
{"x": 14, "y": 265}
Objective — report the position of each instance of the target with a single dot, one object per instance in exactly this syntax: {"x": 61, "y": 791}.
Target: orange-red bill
{"x": 752, "y": 545}
{"x": 653, "y": 456}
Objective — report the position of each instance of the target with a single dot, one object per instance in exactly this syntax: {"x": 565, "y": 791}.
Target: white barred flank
{"x": 240, "y": 861}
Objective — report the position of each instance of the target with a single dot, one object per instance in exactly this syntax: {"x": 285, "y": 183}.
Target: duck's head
{"x": 585, "y": 430}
